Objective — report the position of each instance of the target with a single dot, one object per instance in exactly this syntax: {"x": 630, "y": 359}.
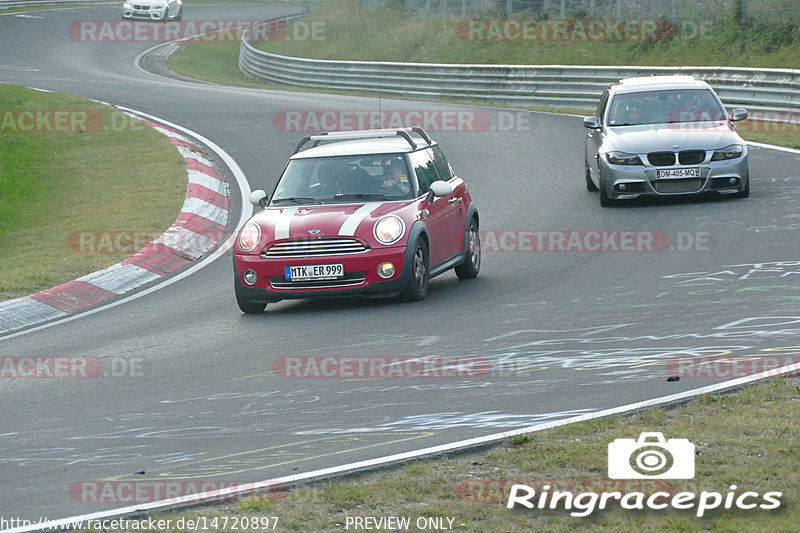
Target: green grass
{"x": 749, "y": 438}
{"x": 351, "y": 31}
{"x": 118, "y": 175}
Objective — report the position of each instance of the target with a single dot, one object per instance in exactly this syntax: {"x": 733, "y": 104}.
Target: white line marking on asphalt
{"x": 402, "y": 457}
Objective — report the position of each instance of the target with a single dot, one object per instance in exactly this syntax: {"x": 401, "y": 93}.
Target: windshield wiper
{"x": 359, "y": 196}
{"x": 296, "y": 200}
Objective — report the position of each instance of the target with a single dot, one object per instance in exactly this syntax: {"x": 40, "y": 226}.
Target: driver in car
{"x": 395, "y": 180}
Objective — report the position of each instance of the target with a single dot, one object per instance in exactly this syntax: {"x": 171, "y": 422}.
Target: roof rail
{"x": 333, "y": 136}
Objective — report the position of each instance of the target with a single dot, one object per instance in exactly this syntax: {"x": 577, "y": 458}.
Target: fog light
{"x": 250, "y": 277}
{"x": 386, "y": 270}
{"x": 733, "y": 181}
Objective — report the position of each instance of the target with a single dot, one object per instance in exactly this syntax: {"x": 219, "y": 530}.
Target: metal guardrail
{"x": 557, "y": 85}
{"x": 8, "y": 4}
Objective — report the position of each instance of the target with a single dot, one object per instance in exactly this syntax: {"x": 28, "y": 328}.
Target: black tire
{"x": 179, "y": 16}
{"x": 472, "y": 262}
{"x": 245, "y": 305}
{"x": 605, "y": 201}
{"x": 165, "y": 18}
{"x": 590, "y": 186}
{"x": 417, "y": 286}
{"x": 745, "y": 193}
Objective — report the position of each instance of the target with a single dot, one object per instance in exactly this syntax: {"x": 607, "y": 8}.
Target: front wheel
{"x": 590, "y": 186}
{"x": 472, "y": 262}
{"x": 744, "y": 193}
{"x": 417, "y": 286}
{"x": 605, "y": 200}
{"x": 179, "y": 16}
{"x": 245, "y": 305}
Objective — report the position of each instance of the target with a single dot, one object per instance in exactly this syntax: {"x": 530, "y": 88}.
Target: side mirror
{"x": 593, "y": 123}
{"x": 738, "y": 114}
{"x": 259, "y": 197}
{"x": 439, "y": 188}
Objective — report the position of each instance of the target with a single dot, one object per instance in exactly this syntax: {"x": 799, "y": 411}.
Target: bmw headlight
{"x": 249, "y": 236}
{"x": 128, "y": 5}
{"x": 389, "y": 229}
{"x": 623, "y": 158}
{"x": 729, "y": 152}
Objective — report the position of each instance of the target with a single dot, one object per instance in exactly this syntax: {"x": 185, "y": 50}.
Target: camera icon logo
{"x": 651, "y": 457}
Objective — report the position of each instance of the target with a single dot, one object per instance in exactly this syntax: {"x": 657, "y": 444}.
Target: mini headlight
{"x": 622, "y": 158}
{"x": 729, "y": 152}
{"x": 389, "y": 229}
{"x": 249, "y": 236}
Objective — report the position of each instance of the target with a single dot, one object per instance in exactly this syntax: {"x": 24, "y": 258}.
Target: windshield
{"x": 664, "y": 107}
{"x": 325, "y": 180}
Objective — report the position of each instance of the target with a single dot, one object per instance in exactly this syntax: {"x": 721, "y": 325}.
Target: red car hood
{"x": 305, "y": 222}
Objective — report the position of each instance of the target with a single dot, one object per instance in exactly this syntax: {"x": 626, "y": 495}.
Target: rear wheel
{"x": 472, "y": 262}
{"x": 590, "y": 186}
{"x": 417, "y": 286}
{"x": 245, "y": 305}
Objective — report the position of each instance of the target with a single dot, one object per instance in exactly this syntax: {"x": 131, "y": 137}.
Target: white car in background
{"x": 153, "y": 9}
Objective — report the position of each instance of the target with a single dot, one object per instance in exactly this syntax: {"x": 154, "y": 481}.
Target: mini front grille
{"x": 314, "y": 247}
{"x": 350, "y": 280}
{"x": 682, "y": 185}
{"x": 661, "y": 159}
{"x": 691, "y": 157}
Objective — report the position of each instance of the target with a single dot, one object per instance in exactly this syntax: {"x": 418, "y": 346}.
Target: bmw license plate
{"x": 678, "y": 173}
{"x": 314, "y": 272}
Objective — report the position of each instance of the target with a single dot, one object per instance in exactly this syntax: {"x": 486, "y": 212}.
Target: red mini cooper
{"x": 357, "y": 213}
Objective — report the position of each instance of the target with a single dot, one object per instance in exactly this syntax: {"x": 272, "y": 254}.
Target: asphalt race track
{"x": 571, "y": 331}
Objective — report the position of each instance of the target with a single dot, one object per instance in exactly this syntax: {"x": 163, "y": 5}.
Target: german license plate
{"x": 314, "y": 272}
{"x": 678, "y": 173}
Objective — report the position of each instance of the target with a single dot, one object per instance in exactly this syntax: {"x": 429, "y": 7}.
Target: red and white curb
{"x": 199, "y": 228}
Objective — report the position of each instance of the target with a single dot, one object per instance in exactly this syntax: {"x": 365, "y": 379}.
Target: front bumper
{"x": 623, "y": 182}
{"x": 361, "y": 275}
{"x": 154, "y": 13}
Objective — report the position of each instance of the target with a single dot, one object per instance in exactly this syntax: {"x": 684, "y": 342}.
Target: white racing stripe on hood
{"x": 351, "y": 224}
{"x": 284, "y": 220}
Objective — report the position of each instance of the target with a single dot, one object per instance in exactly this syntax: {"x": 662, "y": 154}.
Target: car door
{"x": 436, "y": 213}
{"x": 595, "y": 138}
{"x": 457, "y": 222}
